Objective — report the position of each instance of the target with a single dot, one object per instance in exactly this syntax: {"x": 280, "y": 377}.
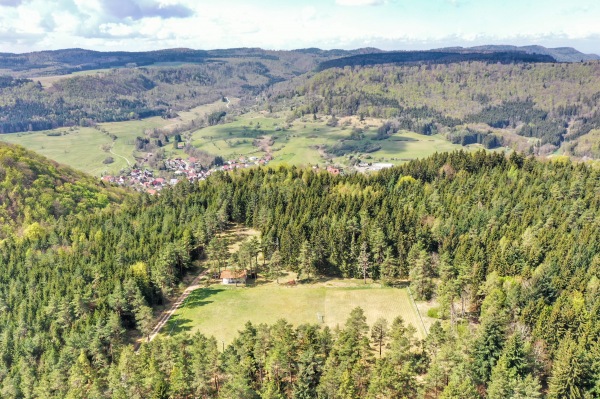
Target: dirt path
{"x": 239, "y": 235}
{"x": 167, "y": 315}
{"x": 120, "y": 156}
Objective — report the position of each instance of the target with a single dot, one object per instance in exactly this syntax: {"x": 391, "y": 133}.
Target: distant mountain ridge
{"x": 66, "y": 61}
{"x": 560, "y": 54}
{"x": 435, "y": 57}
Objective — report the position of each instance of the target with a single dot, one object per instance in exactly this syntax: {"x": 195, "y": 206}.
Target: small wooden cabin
{"x": 231, "y": 277}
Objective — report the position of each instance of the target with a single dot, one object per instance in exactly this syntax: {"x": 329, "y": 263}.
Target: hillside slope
{"x": 547, "y": 104}
{"x": 35, "y": 190}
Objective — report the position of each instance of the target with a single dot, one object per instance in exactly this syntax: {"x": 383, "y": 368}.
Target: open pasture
{"x": 304, "y": 142}
{"x": 221, "y": 311}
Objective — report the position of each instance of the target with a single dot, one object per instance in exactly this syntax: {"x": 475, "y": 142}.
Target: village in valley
{"x": 177, "y": 169}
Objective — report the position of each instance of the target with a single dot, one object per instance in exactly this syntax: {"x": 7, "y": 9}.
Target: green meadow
{"x": 86, "y": 148}
{"x": 221, "y": 311}
{"x": 303, "y": 142}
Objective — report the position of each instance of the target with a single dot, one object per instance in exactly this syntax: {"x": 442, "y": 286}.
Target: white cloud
{"x": 113, "y": 29}
{"x": 309, "y": 13}
{"x": 30, "y": 25}
{"x": 359, "y": 2}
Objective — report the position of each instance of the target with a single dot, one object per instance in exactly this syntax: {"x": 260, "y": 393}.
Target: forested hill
{"x": 561, "y": 54}
{"x": 433, "y": 57}
{"x": 508, "y": 247}
{"x": 156, "y": 83}
{"x": 555, "y": 103}
{"x": 60, "y": 62}
{"x": 35, "y": 191}
{"x": 130, "y": 93}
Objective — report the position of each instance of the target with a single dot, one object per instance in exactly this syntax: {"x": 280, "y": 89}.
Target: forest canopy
{"x": 508, "y": 247}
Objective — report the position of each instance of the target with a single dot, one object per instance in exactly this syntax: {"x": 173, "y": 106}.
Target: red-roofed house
{"x": 333, "y": 171}
{"x": 231, "y": 277}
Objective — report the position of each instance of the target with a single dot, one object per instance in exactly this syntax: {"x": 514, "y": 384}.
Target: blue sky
{"x": 27, "y": 25}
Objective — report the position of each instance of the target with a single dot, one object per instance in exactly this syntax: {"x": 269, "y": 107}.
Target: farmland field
{"x": 83, "y": 148}
{"x": 303, "y": 142}
{"x": 221, "y": 311}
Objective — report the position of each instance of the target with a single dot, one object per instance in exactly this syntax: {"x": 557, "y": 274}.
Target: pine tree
{"x": 460, "y": 387}
{"x": 364, "y": 263}
{"x": 81, "y": 377}
{"x": 570, "y": 372}
{"x": 420, "y": 272}
{"x": 275, "y": 265}
{"x": 306, "y": 261}
{"x": 379, "y": 332}
{"x": 388, "y": 269}
{"x": 347, "y": 390}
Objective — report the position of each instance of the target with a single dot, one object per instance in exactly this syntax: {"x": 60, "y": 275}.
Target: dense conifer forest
{"x": 508, "y": 247}
{"x": 433, "y": 57}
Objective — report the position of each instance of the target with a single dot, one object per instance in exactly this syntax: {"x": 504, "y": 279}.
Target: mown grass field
{"x": 298, "y": 145}
{"x": 82, "y": 148}
{"x": 221, "y": 311}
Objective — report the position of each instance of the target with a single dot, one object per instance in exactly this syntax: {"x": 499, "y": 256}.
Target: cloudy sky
{"x": 27, "y": 25}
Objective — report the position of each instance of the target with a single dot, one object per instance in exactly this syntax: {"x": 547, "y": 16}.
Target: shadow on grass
{"x": 399, "y": 284}
{"x": 259, "y": 281}
{"x": 176, "y": 325}
{"x": 198, "y": 297}
{"x": 320, "y": 279}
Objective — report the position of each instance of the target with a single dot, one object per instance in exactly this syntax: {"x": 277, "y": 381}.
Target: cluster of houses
{"x": 142, "y": 179}
{"x": 245, "y": 162}
{"x": 182, "y": 169}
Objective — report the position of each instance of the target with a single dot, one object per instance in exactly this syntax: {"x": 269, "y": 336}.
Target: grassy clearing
{"x": 80, "y": 148}
{"x": 83, "y": 148}
{"x": 404, "y": 146}
{"x": 48, "y": 81}
{"x": 221, "y": 310}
